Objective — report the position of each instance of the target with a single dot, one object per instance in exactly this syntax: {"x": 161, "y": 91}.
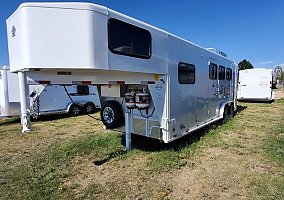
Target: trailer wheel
{"x": 75, "y": 110}
{"x": 111, "y": 114}
{"x": 89, "y": 108}
{"x": 232, "y": 111}
{"x": 226, "y": 114}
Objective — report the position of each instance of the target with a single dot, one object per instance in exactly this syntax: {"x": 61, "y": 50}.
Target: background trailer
{"x": 255, "y": 85}
{"x": 9, "y": 93}
{"x": 45, "y": 99}
{"x": 165, "y": 86}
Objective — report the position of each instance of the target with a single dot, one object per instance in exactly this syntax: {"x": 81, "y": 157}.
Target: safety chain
{"x": 35, "y": 107}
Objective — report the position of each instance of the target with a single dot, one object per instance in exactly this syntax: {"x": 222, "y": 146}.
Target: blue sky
{"x": 244, "y": 29}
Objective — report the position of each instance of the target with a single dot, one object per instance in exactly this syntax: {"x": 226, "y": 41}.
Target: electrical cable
{"x": 123, "y": 98}
{"x": 148, "y": 115}
{"x": 78, "y": 104}
{"x": 87, "y": 114}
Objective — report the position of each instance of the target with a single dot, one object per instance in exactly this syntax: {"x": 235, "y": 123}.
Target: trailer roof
{"x": 65, "y": 5}
{"x": 256, "y": 69}
{"x": 103, "y": 10}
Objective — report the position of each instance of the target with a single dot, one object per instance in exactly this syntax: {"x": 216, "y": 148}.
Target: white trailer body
{"x": 9, "y": 93}
{"x": 60, "y": 99}
{"x": 45, "y": 99}
{"x": 188, "y": 87}
{"x": 255, "y": 85}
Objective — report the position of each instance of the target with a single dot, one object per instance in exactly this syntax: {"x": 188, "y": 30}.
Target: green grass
{"x": 7, "y": 121}
{"x": 275, "y": 145}
{"x": 253, "y": 140}
{"x": 275, "y": 151}
{"x": 41, "y": 178}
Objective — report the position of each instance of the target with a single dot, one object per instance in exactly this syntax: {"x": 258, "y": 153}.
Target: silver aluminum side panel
{"x": 194, "y": 105}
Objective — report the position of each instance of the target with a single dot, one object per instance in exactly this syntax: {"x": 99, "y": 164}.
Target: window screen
{"x": 82, "y": 89}
{"x": 229, "y": 74}
{"x": 221, "y": 72}
{"x": 186, "y": 73}
{"x": 126, "y": 39}
{"x": 212, "y": 71}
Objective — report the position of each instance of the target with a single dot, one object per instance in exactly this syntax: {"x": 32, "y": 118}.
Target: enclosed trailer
{"x": 255, "y": 85}
{"x": 9, "y": 93}
{"x": 60, "y": 99}
{"x": 46, "y": 99}
{"x": 165, "y": 86}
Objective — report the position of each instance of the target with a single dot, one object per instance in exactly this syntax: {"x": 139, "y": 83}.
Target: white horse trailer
{"x": 255, "y": 85}
{"x": 46, "y": 99}
{"x": 165, "y": 86}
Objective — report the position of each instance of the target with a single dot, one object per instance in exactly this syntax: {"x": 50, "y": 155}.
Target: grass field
{"x": 74, "y": 158}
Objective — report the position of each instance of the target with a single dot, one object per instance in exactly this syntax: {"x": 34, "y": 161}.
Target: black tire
{"x": 75, "y": 110}
{"x": 89, "y": 108}
{"x": 111, "y": 114}
{"x": 232, "y": 112}
{"x": 226, "y": 114}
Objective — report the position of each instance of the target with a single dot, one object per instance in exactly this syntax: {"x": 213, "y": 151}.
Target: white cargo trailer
{"x": 46, "y": 99}
{"x": 165, "y": 86}
{"x": 9, "y": 93}
{"x": 60, "y": 99}
{"x": 255, "y": 85}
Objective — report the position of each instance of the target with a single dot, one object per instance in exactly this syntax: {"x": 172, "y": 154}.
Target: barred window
{"x": 222, "y": 72}
{"x": 212, "y": 71}
{"x": 229, "y": 74}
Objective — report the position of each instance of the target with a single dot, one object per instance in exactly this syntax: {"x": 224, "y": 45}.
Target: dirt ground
{"x": 230, "y": 168}
{"x": 279, "y": 94}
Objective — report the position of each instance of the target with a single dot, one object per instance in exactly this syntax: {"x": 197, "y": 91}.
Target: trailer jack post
{"x": 128, "y": 128}
{"x": 25, "y": 116}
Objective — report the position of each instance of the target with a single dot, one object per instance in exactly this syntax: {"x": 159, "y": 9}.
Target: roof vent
{"x": 221, "y": 53}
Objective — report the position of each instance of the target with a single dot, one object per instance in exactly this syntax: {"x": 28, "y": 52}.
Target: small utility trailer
{"x": 255, "y": 85}
{"x": 164, "y": 86}
{"x": 45, "y": 99}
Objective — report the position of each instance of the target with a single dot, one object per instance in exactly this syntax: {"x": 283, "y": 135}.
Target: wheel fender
{"x": 68, "y": 107}
{"x": 71, "y": 103}
{"x": 222, "y": 108}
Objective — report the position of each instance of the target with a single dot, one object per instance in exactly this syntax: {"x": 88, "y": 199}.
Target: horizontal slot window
{"x": 83, "y": 90}
{"x": 129, "y": 40}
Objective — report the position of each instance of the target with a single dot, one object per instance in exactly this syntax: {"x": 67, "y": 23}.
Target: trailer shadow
{"x": 240, "y": 109}
{"x": 60, "y": 116}
{"x": 153, "y": 145}
{"x": 7, "y": 121}
{"x": 257, "y": 101}
{"x": 44, "y": 118}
